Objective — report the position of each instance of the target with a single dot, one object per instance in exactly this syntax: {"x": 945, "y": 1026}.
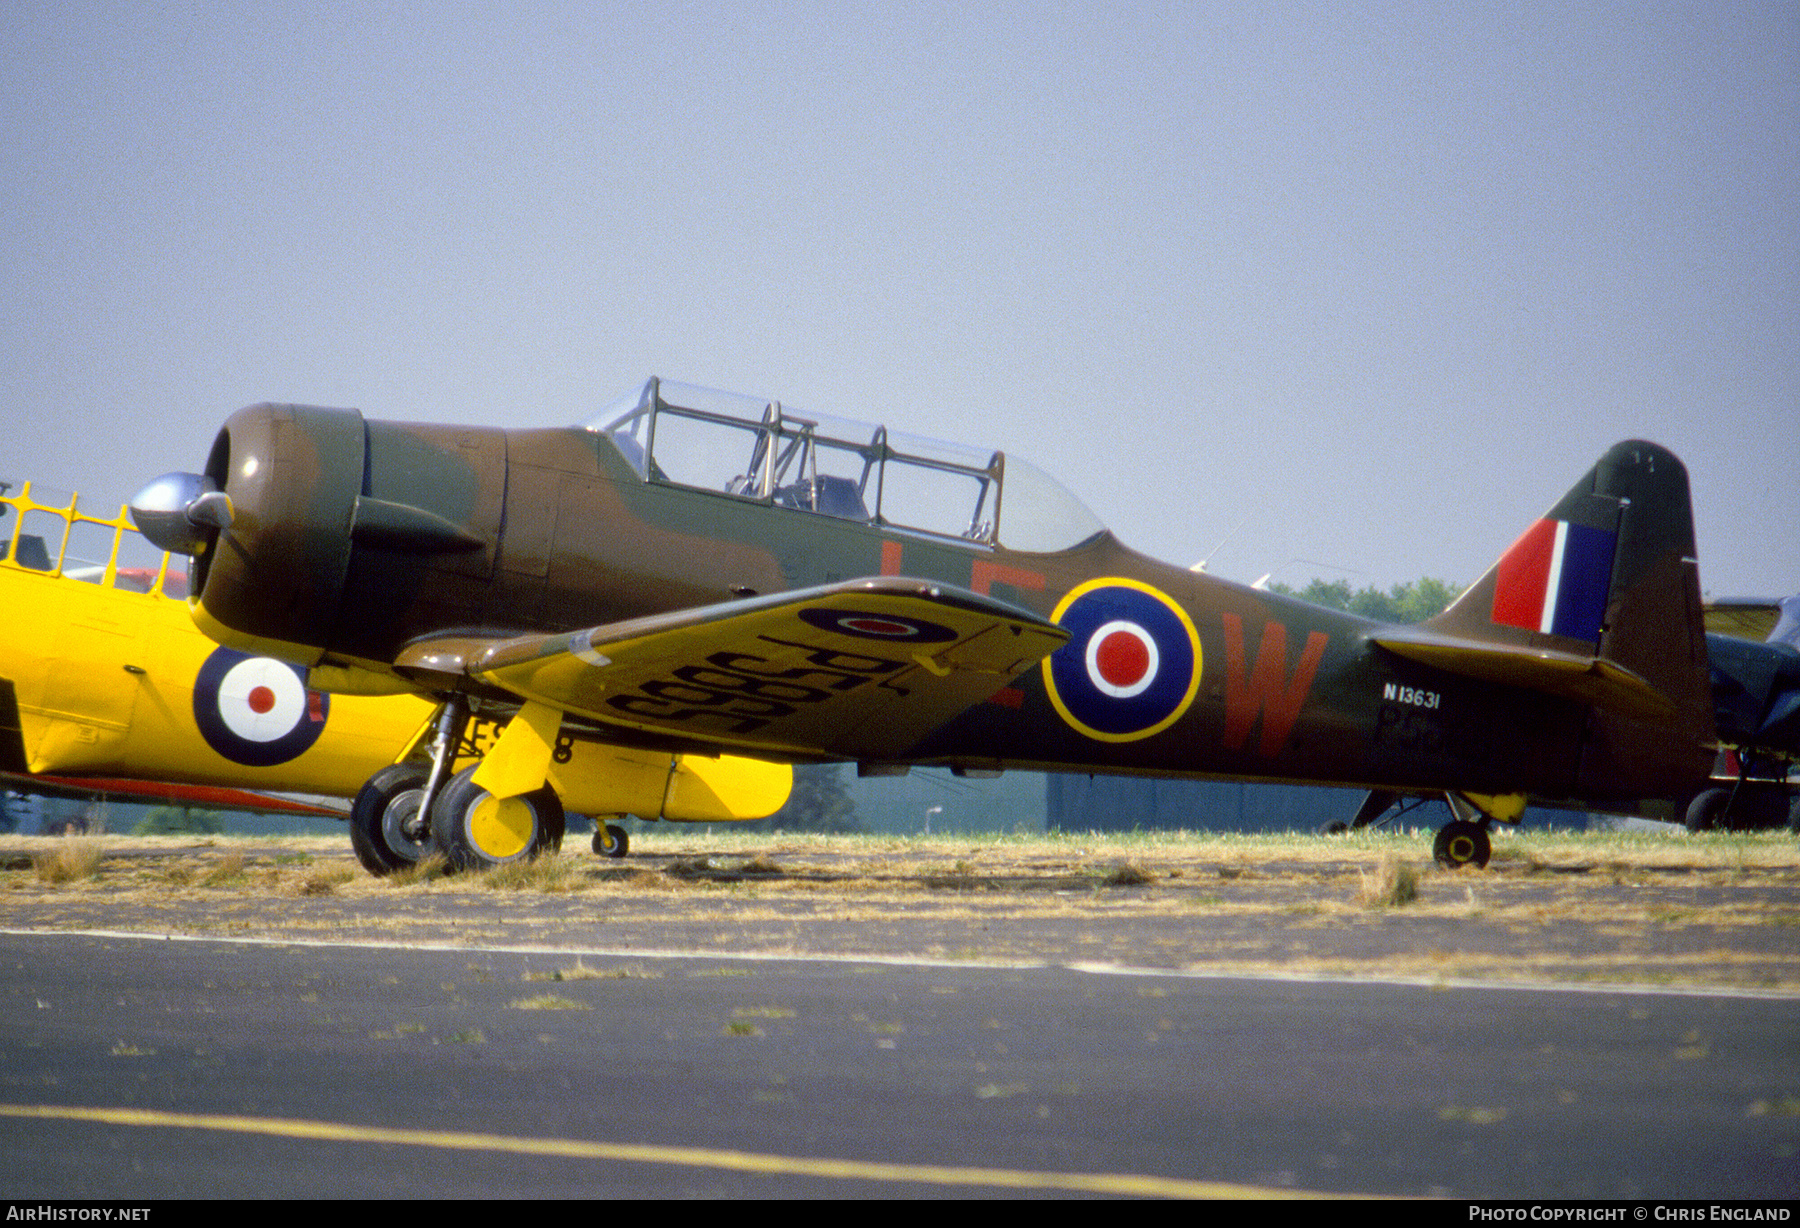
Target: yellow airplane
{"x": 107, "y": 687}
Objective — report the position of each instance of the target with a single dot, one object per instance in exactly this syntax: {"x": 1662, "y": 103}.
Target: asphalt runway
{"x": 141, "y": 1068}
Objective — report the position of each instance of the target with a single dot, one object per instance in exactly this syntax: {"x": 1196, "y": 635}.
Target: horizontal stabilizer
{"x": 1593, "y": 680}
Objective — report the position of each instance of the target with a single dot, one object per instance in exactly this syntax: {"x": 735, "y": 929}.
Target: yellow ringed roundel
{"x": 1132, "y": 663}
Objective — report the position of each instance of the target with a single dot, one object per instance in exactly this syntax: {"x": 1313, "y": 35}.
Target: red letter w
{"x": 1268, "y": 690}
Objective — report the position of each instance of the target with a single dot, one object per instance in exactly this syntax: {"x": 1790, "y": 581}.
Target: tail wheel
{"x": 1461, "y": 843}
{"x": 476, "y": 830}
{"x": 386, "y": 829}
{"x": 611, "y": 840}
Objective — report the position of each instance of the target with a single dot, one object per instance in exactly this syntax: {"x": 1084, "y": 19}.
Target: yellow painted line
{"x": 1117, "y": 1184}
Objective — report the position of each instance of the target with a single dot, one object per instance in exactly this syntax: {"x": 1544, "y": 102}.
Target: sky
{"x": 1344, "y": 290}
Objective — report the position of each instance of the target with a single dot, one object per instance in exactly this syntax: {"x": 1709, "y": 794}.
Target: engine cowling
{"x": 344, "y": 537}
{"x": 273, "y": 580}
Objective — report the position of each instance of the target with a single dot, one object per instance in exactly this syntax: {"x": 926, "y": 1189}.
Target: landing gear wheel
{"x": 386, "y": 829}
{"x": 1707, "y": 810}
{"x": 610, "y": 840}
{"x": 1336, "y": 827}
{"x": 477, "y": 831}
{"x": 1461, "y": 843}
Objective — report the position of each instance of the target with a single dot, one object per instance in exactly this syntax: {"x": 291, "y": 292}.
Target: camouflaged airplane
{"x": 107, "y": 691}
{"x": 1754, "y": 648}
{"x": 695, "y": 577}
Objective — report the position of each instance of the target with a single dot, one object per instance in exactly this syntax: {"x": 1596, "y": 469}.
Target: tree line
{"x": 1411, "y": 602}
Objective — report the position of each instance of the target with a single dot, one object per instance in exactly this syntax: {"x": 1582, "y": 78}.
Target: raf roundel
{"x": 869, "y": 625}
{"x": 1132, "y": 663}
{"x": 257, "y": 711}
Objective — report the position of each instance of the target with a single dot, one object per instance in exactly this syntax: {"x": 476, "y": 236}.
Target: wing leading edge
{"x": 858, "y": 670}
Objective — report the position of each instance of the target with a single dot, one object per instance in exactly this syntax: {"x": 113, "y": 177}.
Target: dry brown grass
{"x": 1392, "y": 884}
{"x": 548, "y": 872}
{"x": 326, "y": 881}
{"x": 581, "y": 972}
{"x": 1536, "y": 851}
{"x": 424, "y": 871}
{"x": 72, "y": 859}
{"x": 228, "y": 871}
{"x": 1628, "y": 907}
{"x": 549, "y": 1002}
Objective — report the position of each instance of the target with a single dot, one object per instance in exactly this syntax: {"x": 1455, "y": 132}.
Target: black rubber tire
{"x": 376, "y": 816}
{"x": 1707, "y": 810}
{"x": 1461, "y": 843}
{"x": 1336, "y": 827}
{"x": 611, "y": 840}
{"x": 470, "y": 839}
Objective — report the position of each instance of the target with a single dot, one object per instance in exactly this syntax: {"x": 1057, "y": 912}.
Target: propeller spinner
{"x": 181, "y": 512}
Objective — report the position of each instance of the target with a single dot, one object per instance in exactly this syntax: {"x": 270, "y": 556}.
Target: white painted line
{"x": 974, "y": 965}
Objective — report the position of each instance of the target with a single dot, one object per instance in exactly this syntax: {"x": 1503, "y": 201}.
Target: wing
{"x": 860, "y": 670}
{"x": 1745, "y": 618}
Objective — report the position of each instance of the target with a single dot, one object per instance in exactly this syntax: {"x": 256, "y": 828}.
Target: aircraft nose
{"x": 181, "y": 512}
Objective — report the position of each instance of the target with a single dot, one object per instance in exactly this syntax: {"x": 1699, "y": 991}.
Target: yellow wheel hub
{"x": 502, "y": 828}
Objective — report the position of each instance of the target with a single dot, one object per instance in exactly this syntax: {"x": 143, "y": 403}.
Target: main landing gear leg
{"x": 390, "y": 826}
{"x": 502, "y": 810}
{"x": 1464, "y": 840}
{"x": 1376, "y": 804}
{"x": 1719, "y": 808}
{"x": 1374, "y": 812}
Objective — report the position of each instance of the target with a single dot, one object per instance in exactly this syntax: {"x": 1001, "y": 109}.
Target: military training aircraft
{"x": 728, "y": 580}
{"x": 1754, "y": 650}
{"x": 108, "y": 690}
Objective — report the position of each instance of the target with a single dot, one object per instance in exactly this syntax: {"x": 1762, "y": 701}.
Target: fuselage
{"x": 354, "y": 539}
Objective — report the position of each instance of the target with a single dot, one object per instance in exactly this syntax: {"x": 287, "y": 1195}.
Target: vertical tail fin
{"x": 1609, "y": 573}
